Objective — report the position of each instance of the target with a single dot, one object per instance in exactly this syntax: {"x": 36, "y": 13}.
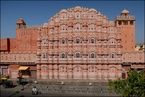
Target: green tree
{"x": 133, "y": 86}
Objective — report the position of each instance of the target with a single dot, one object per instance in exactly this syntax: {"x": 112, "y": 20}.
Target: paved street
{"x": 9, "y": 93}
{"x": 50, "y": 90}
{"x": 18, "y": 92}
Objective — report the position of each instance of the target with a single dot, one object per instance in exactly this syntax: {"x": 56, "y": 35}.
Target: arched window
{"x": 63, "y": 55}
{"x": 92, "y": 40}
{"x": 92, "y": 55}
{"x": 112, "y": 56}
{"x": 63, "y": 41}
{"x": 44, "y": 55}
{"x": 112, "y": 41}
{"x": 77, "y": 40}
{"x": 77, "y": 15}
{"x": 77, "y": 55}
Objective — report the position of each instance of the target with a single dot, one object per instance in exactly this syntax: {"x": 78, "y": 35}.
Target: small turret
{"x": 20, "y": 24}
{"x": 124, "y": 19}
{"x": 125, "y": 12}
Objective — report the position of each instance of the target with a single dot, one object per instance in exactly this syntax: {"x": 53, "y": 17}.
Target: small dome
{"x": 92, "y": 9}
{"x": 104, "y": 16}
{"x": 21, "y": 21}
{"x": 77, "y": 7}
{"x": 63, "y": 10}
{"x": 45, "y": 24}
{"x": 111, "y": 23}
{"x": 125, "y": 11}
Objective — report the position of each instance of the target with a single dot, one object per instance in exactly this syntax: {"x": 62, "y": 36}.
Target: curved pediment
{"x": 77, "y": 13}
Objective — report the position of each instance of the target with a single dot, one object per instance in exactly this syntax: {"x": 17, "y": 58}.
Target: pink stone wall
{"x": 77, "y": 43}
{"x": 134, "y": 57}
{"x": 82, "y": 43}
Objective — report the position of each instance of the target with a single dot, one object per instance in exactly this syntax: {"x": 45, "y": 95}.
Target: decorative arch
{"x": 112, "y": 40}
{"x": 63, "y": 27}
{"x": 63, "y": 15}
{"x": 78, "y": 68}
{"x": 92, "y": 69}
{"x": 77, "y": 72}
{"x": 77, "y": 15}
{"x": 92, "y": 40}
{"x": 63, "y": 41}
{"x": 63, "y": 55}
{"x": 92, "y": 72}
{"x": 78, "y": 55}
{"x": 63, "y": 72}
{"x": 92, "y": 55}
{"x": 112, "y": 55}
{"x": 78, "y": 40}
{"x": 112, "y": 72}
{"x": 44, "y": 55}
{"x": 77, "y": 26}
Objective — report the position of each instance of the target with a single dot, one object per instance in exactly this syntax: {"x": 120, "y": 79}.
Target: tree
{"x": 133, "y": 86}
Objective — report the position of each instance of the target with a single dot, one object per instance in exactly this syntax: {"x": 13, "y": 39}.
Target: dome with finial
{"x": 20, "y": 21}
{"x": 125, "y": 11}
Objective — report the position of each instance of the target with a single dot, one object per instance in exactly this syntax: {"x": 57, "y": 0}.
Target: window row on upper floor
{"x": 81, "y": 28}
{"x": 79, "y": 40}
{"x": 80, "y": 55}
{"x": 19, "y": 57}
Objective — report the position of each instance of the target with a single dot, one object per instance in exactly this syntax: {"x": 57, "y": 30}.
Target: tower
{"x": 20, "y": 24}
{"x": 126, "y": 24}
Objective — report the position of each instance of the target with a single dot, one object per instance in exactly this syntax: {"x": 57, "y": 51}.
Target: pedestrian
{"x": 34, "y": 90}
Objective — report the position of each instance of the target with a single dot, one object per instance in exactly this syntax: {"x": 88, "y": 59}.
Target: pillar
{"x": 70, "y": 71}
{"x": 50, "y": 71}
{"x": 38, "y": 71}
{"x": 55, "y": 69}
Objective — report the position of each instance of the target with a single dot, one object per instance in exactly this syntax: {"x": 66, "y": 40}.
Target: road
{"x": 9, "y": 93}
{"x": 17, "y": 91}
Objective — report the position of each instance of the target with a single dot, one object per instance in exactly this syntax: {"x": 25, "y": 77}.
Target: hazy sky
{"x": 39, "y": 12}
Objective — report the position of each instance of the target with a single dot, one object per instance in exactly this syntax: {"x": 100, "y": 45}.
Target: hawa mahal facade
{"x": 76, "y": 43}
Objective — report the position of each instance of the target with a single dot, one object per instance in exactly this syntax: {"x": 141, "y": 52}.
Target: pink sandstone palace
{"x": 76, "y": 43}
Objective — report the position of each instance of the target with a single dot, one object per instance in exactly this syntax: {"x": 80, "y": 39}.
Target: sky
{"x": 39, "y": 12}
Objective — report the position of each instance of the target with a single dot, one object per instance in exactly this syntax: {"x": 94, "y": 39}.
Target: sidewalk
{"x": 80, "y": 82}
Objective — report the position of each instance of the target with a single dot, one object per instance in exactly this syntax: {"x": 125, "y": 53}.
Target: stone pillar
{"x": 117, "y": 23}
{"x": 89, "y": 73}
{"x": 104, "y": 72}
{"x": 85, "y": 71}
{"x": 38, "y": 71}
{"x": 70, "y": 71}
{"x": 99, "y": 71}
{"x": 55, "y": 71}
{"x": 50, "y": 71}
{"x": 119, "y": 70}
